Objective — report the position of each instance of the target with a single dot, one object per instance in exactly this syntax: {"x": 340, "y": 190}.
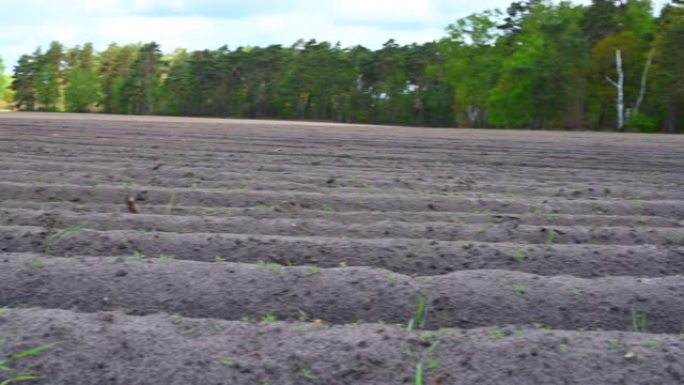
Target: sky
{"x": 199, "y": 24}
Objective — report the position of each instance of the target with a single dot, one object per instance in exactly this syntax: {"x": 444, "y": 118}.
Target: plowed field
{"x": 260, "y": 252}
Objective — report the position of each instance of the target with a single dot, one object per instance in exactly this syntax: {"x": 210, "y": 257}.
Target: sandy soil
{"x": 542, "y": 257}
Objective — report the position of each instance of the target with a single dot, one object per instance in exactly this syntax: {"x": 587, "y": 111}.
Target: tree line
{"x": 607, "y": 65}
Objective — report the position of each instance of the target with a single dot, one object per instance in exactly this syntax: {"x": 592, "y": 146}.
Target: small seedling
{"x": 5, "y": 367}
{"x": 497, "y": 334}
{"x": 433, "y": 363}
{"x": 652, "y": 344}
{"x": 600, "y": 209}
{"x": 418, "y": 320}
{"x": 454, "y": 219}
{"x": 639, "y": 322}
{"x": 261, "y": 265}
{"x": 57, "y": 235}
{"x": 30, "y": 352}
{"x": 392, "y": 278}
{"x": 19, "y": 379}
{"x": 275, "y": 267}
{"x": 219, "y": 258}
{"x": 675, "y": 238}
{"x": 138, "y": 255}
{"x": 551, "y": 238}
{"x": 576, "y": 290}
{"x": 209, "y": 212}
{"x": 313, "y": 270}
{"x": 518, "y": 255}
{"x": 307, "y": 374}
{"x": 327, "y": 208}
{"x": 426, "y": 335}
{"x": 266, "y": 208}
{"x": 37, "y": 263}
{"x": 227, "y": 362}
{"x": 520, "y": 288}
{"x": 165, "y": 258}
{"x": 171, "y": 204}
{"x": 613, "y": 344}
{"x": 641, "y": 221}
{"x": 269, "y": 318}
{"x": 419, "y": 374}
{"x": 432, "y": 347}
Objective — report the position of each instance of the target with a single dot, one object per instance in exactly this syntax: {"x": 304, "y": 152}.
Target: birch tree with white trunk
{"x": 620, "y": 86}
{"x": 642, "y": 87}
{"x": 623, "y": 114}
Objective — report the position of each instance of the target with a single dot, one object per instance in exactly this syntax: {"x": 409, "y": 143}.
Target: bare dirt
{"x": 294, "y": 253}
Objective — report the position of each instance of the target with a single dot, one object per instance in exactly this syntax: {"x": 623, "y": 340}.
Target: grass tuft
{"x": 418, "y": 320}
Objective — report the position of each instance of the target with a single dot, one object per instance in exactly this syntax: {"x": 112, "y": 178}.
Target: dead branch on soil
{"x": 133, "y": 207}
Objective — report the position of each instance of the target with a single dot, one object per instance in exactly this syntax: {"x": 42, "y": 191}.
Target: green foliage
{"x": 669, "y": 67}
{"x": 5, "y": 366}
{"x": 641, "y": 123}
{"x": 24, "y": 83}
{"x": 540, "y": 80}
{"x": 517, "y": 255}
{"x": 3, "y": 79}
{"x": 419, "y": 373}
{"x": 48, "y": 85}
{"x": 418, "y": 320}
{"x": 81, "y": 92}
{"x": 639, "y": 322}
{"x": 19, "y": 379}
{"x": 551, "y": 237}
{"x": 30, "y": 352}
{"x": 520, "y": 288}
{"x": 472, "y": 65}
{"x": 539, "y": 65}
{"x": 55, "y": 235}
{"x": 638, "y": 18}
{"x": 7, "y": 97}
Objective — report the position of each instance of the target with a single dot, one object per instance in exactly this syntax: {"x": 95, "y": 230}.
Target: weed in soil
{"x": 6, "y": 367}
{"x": 55, "y": 235}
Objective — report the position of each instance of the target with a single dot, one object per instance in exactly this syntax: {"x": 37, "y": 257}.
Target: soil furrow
{"x": 422, "y": 257}
{"x": 501, "y": 229}
{"x": 43, "y": 214}
{"x": 341, "y": 295}
{"x": 315, "y": 181}
{"x": 230, "y": 198}
{"x": 171, "y": 350}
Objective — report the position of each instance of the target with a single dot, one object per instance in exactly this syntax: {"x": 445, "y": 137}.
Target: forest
{"x": 608, "y": 65}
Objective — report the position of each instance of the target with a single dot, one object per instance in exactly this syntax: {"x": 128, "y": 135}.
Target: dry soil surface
{"x": 266, "y": 252}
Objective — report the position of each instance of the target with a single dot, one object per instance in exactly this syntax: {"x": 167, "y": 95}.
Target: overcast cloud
{"x": 199, "y": 24}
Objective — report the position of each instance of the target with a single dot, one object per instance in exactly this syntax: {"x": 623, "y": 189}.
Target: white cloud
{"x": 384, "y": 10}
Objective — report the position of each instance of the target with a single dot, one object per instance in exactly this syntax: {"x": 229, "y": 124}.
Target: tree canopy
{"x": 538, "y": 64}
